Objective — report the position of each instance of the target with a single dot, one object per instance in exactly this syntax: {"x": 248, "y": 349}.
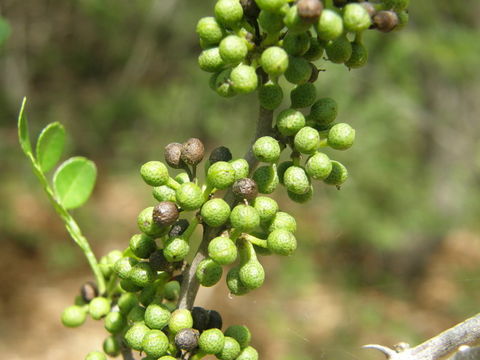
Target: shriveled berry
{"x": 74, "y": 316}
{"x": 356, "y": 18}
{"x": 164, "y": 193}
{"x": 249, "y": 353}
{"x": 283, "y": 220}
{"x": 189, "y": 196}
{"x": 154, "y": 173}
{"x": 338, "y": 175}
{"x": 245, "y": 188}
{"x": 221, "y": 175}
{"x": 193, "y": 151}
{"x": 178, "y": 228}
{"x": 244, "y": 218}
{"x": 157, "y": 316}
{"x": 215, "y": 212}
{"x": 115, "y": 322}
{"x": 339, "y": 50}
{"x": 244, "y": 79}
{"x": 209, "y": 30}
{"x": 239, "y": 333}
{"x": 211, "y": 341}
{"x": 228, "y": 12}
{"x": 252, "y": 274}
{"x": 303, "y": 95}
{"x": 88, "y": 291}
{"x": 290, "y": 121}
{"x": 234, "y": 283}
{"x": 309, "y": 9}
{"x": 233, "y": 49}
{"x": 330, "y": 25}
{"x": 296, "y": 44}
{"x": 180, "y": 319}
{"x": 222, "y": 250}
{"x": 157, "y": 261}
{"x": 270, "y": 95}
{"x": 176, "y": 249}
{"x": 299, "y": 70}
{"x": 274, "y": 61}
{"x": 155, "y": 343}
{"x": 208, "y": 273}
{"x": 359, "y": 56}
{"x": 267, "y": 149}
{"x": 111, "y": 346}
{"x": 231, "y": 349}
{"x": 266, "y": 179}
{"x": 99, "y": 307}
{"x": 307, "y": 140}
{"x": 282, "y": 242}
{"x": 173, "y": 152}
{"x": 214, "y": 320}
{"x": 324, "y": 111}
{"x": 220, "y": 153}
{"x": 318, "y": 166}
{"x": 341, "y": 136}
{"x": 147, "y": 225}
{"x": 142, "y": 274}
{"x": 241, "y": 168}
{"x": 187, "y": 339}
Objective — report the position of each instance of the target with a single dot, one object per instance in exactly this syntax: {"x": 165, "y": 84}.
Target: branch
{"x": 450, "y": 340}
{"x": 190, "y": 285}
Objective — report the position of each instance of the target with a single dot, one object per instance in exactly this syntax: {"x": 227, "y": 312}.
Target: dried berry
{"x": 88, "y": 291}
{"x": 192, "y": 151}
{"x": 173, "y": 152}
{"x": 245, "y": 188}
{"x": 178, "y": 228}
{"x": 165, "y": 213}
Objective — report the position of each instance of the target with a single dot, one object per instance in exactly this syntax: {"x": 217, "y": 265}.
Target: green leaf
{"x": 50, "y": 146}
{"x": 23, "y": 136}
{"x": 73, "y": 181}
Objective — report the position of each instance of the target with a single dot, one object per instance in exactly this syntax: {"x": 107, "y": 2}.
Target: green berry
{"x": 111, "y": 346}
{"x": 99, "y": 307}
{"x": 359, "y": 56}
{"x": 154, "y": 173}
{"x": 128, "y": 286}
{"x": 155, "y": 343}
{"x": 330, "y": 25}
{"x": 324, "y": 111}
{"x": 95, "y": 355}
{"x": 403, "y": 19}
{"x": 164, "y": 193}
{"x": 126, "y": 302}
{"x": 266, "y": 179}
{"x": 74, "y": 316}
{"x": 157, "y": 316}
{"x": 135, "y": 335}
{"x": 142, "y": 245}
{"x": 147, "y": 225}
{"x": 234, "y": 283}
{"x": 115, "y": 322}
{"x": 397, "y": 5}
{"x": 189, "y": 196}
{"x": 244, "y": 79}
{"x": 341, "y": 136}
{"x": 142, "y": 274}
{"x": 148, "y": 294}
{"x": 339, "y": 50}
{"x": 249, "y": 353}
{"x": 209, "y": 30}
{"x": 211, "y": 341}
{"x": 274, "y": 61}
{"x": 221, "y": 175}
{"x": 228, "y": 12}
{"x": 240, "y": 333}
{"x": 294, "y": 22}
{"x": 233, "y": 49}
{"x": 222, "y": 250}
{"x": 180, "y": 319}
{"x": 301, "y": 198}
{"x": 271, "y": 22}
{"x": 252, "y": 274}
{"x": 338, "y": 175}
{"x": 290, "y": 121}
{"x": 167, "y": 357}
{"x": 172, "y": 290}
{"x": 123, "y": 267}
{"x": 215, "y": 212}
{"x": 307, "y": 140}
{"x": 318, "y": 166}
{"x": 315, "y": 52}
{"x": 223, "y": 84}
{"x": 244, "y": 218}
{"x": 176, "y": 249}
{"x": 356, "y": 18}
{"x": 231, "y": 349}
{"x": 282, "y": 242}
{"x": 296, "y": 180}
{"x": 296, "y": 44}
{"x": 182, "y": 178}
{"x": 210, "y": 60}
{"x": 281, "y": 168}
{"x": 270, "y": 95}
{"x": 282, "y": 220}
{"x": 303, "y": 95}
{"x": 271, "y": 5}
{"x": 136, "y": 314}
{"x": 266, "y": 208}
{"x": 299, "y": 70}
{"x": 267, "y": 149}
{"x": 208, "y": 272}
{"x": 241, "y": 168}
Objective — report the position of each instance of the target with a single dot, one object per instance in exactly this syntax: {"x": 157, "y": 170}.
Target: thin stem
{"x": 255, "y": 240}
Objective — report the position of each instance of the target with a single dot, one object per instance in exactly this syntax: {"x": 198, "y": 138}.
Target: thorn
{"x": 389, "y": 353}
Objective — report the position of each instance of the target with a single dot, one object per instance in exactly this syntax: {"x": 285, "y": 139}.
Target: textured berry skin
{"x": 271, "y": 5}
{"x": 299, "y": 70}
{"x": 164, "y": 193}
{"x": 244, "y": 218}
{"x": 252, "y": 274}
{"x": 208, "y": 273}
{"x": 318, "y": 166}
{"x": 341, "y": 136}
{"x": 182, "y": 178}
{"x": 330, "y": 25}
{"x": 95, "y": 355}
{"x": 172, "y": 290}
{"x": 129, "y": 286}
{"x": 173, "y": 152}
{"x": 239, "y": 333}
{"x": 307, "y": 140}
{"x": 233, "y": 49}
{"x": 249, "y": 353}
{"x": 359, "y": 56}
{"x": 309, "y": 10}
{"x": 228, "y": 12}
{"x": 241, "y": 168}
{"x": 281, "y": 168}
{"x": 111, "y": 346}
{"x": 99, "y": 307}
{"x": 165, "y": 213}
{"x": 356, "y": 18}
{"x": 222, "y": 250}
{"x": 282, "y": 220}
{"x": 324, "y": 111}
{"x": 231, "y": 349}
{"x": 178, "y": 228}
{"x": 189, "y": 196}
{"x": 220, "y": 153}
{"x": 142, "y": 245}
{"x": 234, "y": 284}
{"x": 155, "y": 343}
{"x": 245, "y": 188}
{"x": 123, "y": 267}
{"x": 126, "y": 302}
{"x": 187, "y": 339}
{"x": 209, "y": 30}
{"x": 157, "y": 316}
{"x": 135, "y": 335}
{"x": 210, "y": 60}
{"x": 221, "y": 175}
{"x": 274, "y": 61}
{"x": 282, "y": 242}
{"x": 180, "y": 319}
{"x": 339, "y": 50}
{"x": 193, "y": 151}
{"x": 215, "y": 212}
{"x": 338, "y": 175}
{"x": 296, "y": 44}
{"x": 157, "y": 261}
{"x": 148, "y": 294}
{"x": 74, "y": 316}
{"x": 244, "y": 79}
{"x": 223, "y": 86}
{"x": 142, "y": 274}
{"x": 266, "y": 149}
{"x": 315, "y": 52}
{"x": 176, "y": 249}
{"x": 290, "y": 121}
{"x": 270, "y": 22}
{"x": 115, "y": 322}
{"x": 211, "y": 341}
{"x": 154, "y": 173}
{"x": 266, "y": 208}
{"x": 136, "y": 315}
{"x": 270, "y": 95}
{"x": 303, "y": 95}
{"x": 296, "y": 180}
{"x": 266, "y": 179}
{"x": 146, "y": 224}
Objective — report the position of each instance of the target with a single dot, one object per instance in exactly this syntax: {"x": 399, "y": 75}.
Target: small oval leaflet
{"x": 50, "y": 145}
{"x": 73, "y": 181}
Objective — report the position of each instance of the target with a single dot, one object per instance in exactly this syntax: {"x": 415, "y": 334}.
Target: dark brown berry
{"x": 250, "y": 8}
{"x": 192, "y": 151}
{"x": 89, "y": 291}
{"x": 165, "y": 213}
{"x": 309, "y": 9}
{"x": 200, "y": 318}
{"x": 220, "y": 153}
{"x": 314, "y": 76}
{"x": 369, "y": 7}
{"x": 385, "y": 21}
{"x": 178, "y": 228}
{"x": 158, "y": 262}
{"x": 245, "y": 189}
{"x": 173, "y": 153}
{"x": 187, "y": 339}
{"x": 214, "y": 320}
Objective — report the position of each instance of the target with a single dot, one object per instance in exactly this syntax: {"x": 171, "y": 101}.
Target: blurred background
{"x": 394, "y": 256}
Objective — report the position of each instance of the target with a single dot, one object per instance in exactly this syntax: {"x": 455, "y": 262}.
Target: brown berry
{"x": 192, "y": 151}
{"x": 220, "y": 153}
{"x": 309, "y": 9}
{"x": 165, "y": 213}
{"x": 178, "y": 228}
{"x": 385, "y": 21}
{"x": 89, "y": 291}
{"x": 250, "y": 8}
{"x": 187, "y": 339}
{"x": 245, "y": 189}
{"x": 158, "y": 262}
{"x": 369, "y": 7}
{"x": 173, "y": 153}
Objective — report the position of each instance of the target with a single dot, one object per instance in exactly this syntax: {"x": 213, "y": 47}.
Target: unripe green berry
{"x": 142, "y": 245}
{"x": 74, "y": 316}
{"x": 359, "y": 56}
{"x": 115, "y": 322}
{"x": 281, "y": 168}
{"x": 209, "y": 30}
{"x": 228, "y": 12}
{"x": 307, "y": 140}
{"x": 221, "y": 175}
{"x": 208, "y": 272}
{"x": 270, "y": 95}
{"x": 231, "y": 349}
{"x": 266, "y": 208}
{"x": 136, "y": 315}
{"x": 172, "y": 290}
{"x": 397, "y": 5}
{"x": 223, "y": 84}
{"x": 274, "y": 61}
{"x": 155, "y": 343}
{"x": 142, "y": 274}
{"x": 222, "y": 250}
{"x": 356, "y": 18}
{"x": 282, "y": 242}
{"x": 299, "y": 70}
{"x": 324, "y": 111}
{"x": 154, "y": 173}
{"x": 271, "y": 5}
{"x": 210, "y": 60}
{"x": 128, "y": 286}
{"x": 95, "y": 355}
{"x": 296, "y": 44}
{"x": 266, "y": 179}
{"x": 330, "y": 25}
{"x": 176, "y": 249}
{"x": 290, "y": 121}
{"x": 180, "y": 319}
{"x": 244, "y": 218}
{"x": 233, "y": 49}
{"x": 252, "y": 274}
{"x": 294, "y": 22}
{"x": 403, "y": 19}
{"x": 189, "y": 196}
{"x": 244, "y": 79}
{"x": 240, "y": 333}
{"x": 111, "y": 346}
{"x": 164, "y": 193}
{"x": 249, "y": 353}
{"x": 303, "y": 95}
{"x": 315, "y": 52}
{"x": 283, "y": 220}
{"x": 296, "y": 180}
{"x": 215, "y": 212}
{"x": 211, "y": 341}
{"x": 157, "y": 316}
{"x": 187, "y": 339}
{"x": 338, "y": 175}
{"x": 126, "y": 302}
{"x": 318, "y": 166}
{"x": 148, "y": 294}
{"x": 271, "y": 22}
{"x": 234, "y": 284}
{"x": 341, "y": 136}
{"x": 123, "y": 267}
{"x": 266, "y": 149}
{"x": 147, "y": 225}
{"x": 99, "y": 307}
{"x": 182, "y": 178}
{"x": 241, "y": 168}
{"x": 339, "y": 50}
